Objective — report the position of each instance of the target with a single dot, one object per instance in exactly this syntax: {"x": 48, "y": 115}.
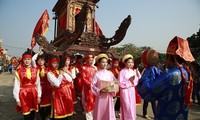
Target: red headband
{"x": 26, "y": 56}
{"x": 115, "y": 61}
{"x": 88, "y": 57}
{"x": 67, "y": 58}
{"x": 53, "y": 60}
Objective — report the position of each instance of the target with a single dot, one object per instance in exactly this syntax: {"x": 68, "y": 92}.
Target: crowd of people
{"x": 106, "y": 88}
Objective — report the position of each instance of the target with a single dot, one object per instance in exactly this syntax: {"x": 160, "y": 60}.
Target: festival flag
{"x": 97, "y": 29}
{"x": 41, "y": 27}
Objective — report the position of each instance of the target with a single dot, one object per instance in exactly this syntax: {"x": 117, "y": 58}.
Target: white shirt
{"x": 54, "y": 80}
{"x": 57, "y": 81}
{"x": 34, "y": 58}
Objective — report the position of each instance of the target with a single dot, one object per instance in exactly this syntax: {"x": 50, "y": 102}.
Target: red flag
{"x": 41, "y": 27}
{"x": 98, "y": 29}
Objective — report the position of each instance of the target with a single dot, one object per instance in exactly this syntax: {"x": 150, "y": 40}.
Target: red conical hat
{"x": 150, "y": 57}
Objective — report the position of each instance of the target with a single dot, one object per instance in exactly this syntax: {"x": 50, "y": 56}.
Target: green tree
{"x": 162, "y": 57}
{"x": 145, "y": 48}
{"x": 194, "y": 43}
{"x": 136, "y": 51}
{"x": 132, "y": 49}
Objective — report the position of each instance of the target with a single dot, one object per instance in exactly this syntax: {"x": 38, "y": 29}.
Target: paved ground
{"x": 7, "y": 104}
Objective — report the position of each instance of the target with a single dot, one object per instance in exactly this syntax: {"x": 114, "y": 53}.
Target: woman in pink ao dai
{"x": 104, "y": 106}
{"x": 127, "y": 82}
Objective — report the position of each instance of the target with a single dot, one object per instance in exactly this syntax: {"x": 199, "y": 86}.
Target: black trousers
{"x": 30, "y": 116}
{"x": 145, "y": 105}
{"x": 117, "y": 104}
{"x": 195, "y": 93}
{"x": 45, "y": 112}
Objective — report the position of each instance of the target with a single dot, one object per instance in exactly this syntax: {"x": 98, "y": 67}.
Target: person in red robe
{"x": 137, "y": 96}
{"x": 27, "y": 88}
{"x": 38, "y": 61}
{"x": 70, "y": 70}
{"x": 115, "y": 69}
{"x": 62, "y": 105}
{"x": 137, "y": 63}
{"x": 88, "y": 98}
{"x": 77, "y": 81}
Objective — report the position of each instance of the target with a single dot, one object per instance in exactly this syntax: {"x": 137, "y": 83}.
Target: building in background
{"x": 3, "y": 56}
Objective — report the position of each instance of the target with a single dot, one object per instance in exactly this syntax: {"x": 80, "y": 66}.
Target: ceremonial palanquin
{"x": 77, "y": 31}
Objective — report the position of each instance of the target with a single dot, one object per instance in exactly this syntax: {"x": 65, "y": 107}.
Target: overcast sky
{"x": 154, "y": 22}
